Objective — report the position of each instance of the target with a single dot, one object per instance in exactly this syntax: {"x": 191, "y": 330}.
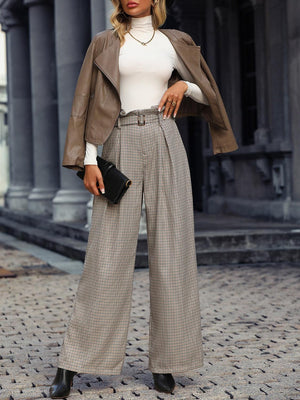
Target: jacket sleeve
{"x": 74, "y": 149}
{"x": 223, "y": 139}
{"x": 214, "y": 113}
{"x": 193, "y": 90}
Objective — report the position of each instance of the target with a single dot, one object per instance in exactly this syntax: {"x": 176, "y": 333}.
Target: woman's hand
{"x": 172, "y": 98}
{"x": 92, "y": 175}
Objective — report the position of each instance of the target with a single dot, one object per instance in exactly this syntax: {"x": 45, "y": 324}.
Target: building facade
{"x": 253, "y": 50}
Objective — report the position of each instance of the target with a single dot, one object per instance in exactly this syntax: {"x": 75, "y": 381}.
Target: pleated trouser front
{"x": 154, "y": 157}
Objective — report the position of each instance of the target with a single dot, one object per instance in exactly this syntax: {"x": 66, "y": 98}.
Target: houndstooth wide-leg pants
{"x": 154, "y": 157}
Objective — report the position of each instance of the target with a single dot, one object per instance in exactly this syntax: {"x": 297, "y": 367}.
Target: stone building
{"x": 253, "y": 50}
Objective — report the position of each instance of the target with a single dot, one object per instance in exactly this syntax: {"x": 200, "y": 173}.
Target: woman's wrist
{"x": 186, "y": 86}
{"x": 90, "y": 154}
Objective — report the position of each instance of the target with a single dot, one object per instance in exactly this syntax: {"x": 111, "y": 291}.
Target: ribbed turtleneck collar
{"x": 142, "y": 24}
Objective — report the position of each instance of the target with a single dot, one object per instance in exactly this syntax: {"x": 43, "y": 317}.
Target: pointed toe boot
{"x": 62, "y": 383}
{"x": 163, "y": 382}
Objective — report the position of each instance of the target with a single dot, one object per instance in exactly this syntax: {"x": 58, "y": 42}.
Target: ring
{"x": 169, "y": 101}
{"x": 173, "y": 103}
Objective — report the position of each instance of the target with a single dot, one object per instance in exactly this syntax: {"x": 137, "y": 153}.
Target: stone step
{"x": 248, "y": 239}
{"x": 72, "y": 230}
{"x": 230, "y": 246}
{"x": 67, "y": 246}
{"x": 249, "y": 256}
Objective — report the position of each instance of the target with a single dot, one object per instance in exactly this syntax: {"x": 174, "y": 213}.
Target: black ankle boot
{"x": 62, "y": 383}
{"x": 163, "y": 382}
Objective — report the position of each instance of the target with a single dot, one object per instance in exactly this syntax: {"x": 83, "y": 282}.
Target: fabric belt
{"x": 138, "y": 117}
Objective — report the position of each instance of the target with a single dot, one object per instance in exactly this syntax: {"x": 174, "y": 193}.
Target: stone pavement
{"x": 250, "y": 320}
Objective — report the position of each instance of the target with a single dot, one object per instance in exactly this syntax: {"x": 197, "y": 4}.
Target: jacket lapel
{"x": 107, "y": 61}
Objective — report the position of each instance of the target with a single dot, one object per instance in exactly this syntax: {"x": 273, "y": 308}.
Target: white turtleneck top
{"x": 145, "y": 71}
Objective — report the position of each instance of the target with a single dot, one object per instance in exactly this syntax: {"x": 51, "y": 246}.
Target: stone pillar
{"x": 44, "y": 107}
{"x": 262, "y": 133}
{"x": 98, "y": 16}
{"x": 108, "y": 10}
{"x": 72, "y": 40}
{"x": 278, "y": 96}
{"x": 277, "y": 64}
{"x": 4, "y": 167}
{"x": 293, "y": 23}
{"x": 19, "y": 109}
{"x": 226, "y": 17}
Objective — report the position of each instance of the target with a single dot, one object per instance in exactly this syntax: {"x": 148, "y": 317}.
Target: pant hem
{"x": 93, "y": 371}
{"x": 175, "y": 370}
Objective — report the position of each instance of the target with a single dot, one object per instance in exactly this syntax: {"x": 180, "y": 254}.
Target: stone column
{"x": 193, "y": 22}
{"x": 98, "y": 16}
{"x": 293, "y": 23}
{"x": 262, "y": 133}
{"x": 227, "y": 37}
{"x": 278, "y": 98}
{"x": 277, "y": 64}
{"x": 72, "y": 40}
{"x": 108, "y": 9}
{"x": 44, "y": 107}
{"x": 19, "y": 110}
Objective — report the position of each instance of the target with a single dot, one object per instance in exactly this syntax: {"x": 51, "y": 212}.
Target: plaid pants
{"x": 150, "y": 151}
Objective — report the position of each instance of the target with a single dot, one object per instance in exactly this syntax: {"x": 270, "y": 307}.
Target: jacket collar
{"x": 107, "y": 62}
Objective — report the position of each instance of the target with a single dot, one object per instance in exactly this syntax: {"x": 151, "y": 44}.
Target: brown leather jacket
{"x": 96, "y": 104}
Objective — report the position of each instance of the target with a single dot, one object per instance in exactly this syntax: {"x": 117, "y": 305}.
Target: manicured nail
{"x": 174, "y": 115}
{"x": 159, "y": 109}
{"x": 164, "y": 117}
{"x": 168, "y": 116}
{"x": 102, "y": 191}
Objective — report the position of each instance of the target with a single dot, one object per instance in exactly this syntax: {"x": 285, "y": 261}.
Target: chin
{"x": 135, "y": 13}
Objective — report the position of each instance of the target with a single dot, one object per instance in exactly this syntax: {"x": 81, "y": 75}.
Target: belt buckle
{"x": 142, "y": 121}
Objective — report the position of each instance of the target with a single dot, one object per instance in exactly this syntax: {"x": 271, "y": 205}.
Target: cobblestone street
{"x": 250, "y": 320}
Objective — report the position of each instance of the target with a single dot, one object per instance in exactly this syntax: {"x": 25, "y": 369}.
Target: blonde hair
{"x": 121, "y": 21}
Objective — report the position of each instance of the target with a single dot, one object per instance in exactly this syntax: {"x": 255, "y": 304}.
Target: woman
{"x": 135, "y": 79}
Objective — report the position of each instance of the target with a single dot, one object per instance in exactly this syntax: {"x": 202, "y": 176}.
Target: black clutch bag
{"x": 115, "y": 182}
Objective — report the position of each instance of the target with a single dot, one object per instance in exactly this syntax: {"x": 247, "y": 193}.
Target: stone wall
{"x": 259, "y": 179}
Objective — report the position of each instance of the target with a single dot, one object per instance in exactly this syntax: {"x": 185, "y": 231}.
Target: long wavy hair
{"x": 121, "y": 21}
